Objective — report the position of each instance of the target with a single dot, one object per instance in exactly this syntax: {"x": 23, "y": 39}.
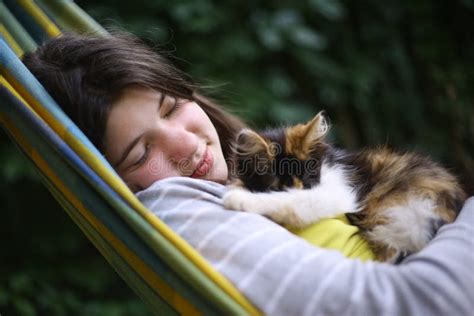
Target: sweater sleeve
{"x": 284, "y": 275}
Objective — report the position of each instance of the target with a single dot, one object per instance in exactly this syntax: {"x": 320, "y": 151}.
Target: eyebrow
{"x": 128, "y": 149}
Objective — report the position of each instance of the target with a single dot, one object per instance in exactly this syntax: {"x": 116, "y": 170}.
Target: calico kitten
{"x": 294, "y": 177}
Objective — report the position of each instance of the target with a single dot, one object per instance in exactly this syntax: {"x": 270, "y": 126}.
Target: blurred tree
{"x": 396, "y": 72}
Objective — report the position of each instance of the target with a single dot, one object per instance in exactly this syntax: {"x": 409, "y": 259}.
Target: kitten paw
{"x": 238, "y": 200}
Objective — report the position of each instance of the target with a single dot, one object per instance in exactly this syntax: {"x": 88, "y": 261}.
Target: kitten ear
{"x": 316, "y": 129}
{"x": 301, "y": 139}
{"x": 250, "y": 143}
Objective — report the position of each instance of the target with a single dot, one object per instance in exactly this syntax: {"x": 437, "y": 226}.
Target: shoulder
{"x": 182, "y": 188}
{"x": 183, "y": 183}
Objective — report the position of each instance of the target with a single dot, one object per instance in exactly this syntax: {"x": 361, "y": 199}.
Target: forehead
{"x": 134, "y": 98}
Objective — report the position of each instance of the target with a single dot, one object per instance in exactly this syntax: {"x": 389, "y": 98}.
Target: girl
{"x": 151, "y": 124}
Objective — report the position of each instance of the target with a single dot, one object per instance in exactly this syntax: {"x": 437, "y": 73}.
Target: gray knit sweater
{"x": 284, "y": 275}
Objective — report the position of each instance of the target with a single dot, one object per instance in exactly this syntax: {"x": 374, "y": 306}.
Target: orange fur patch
{"x": 301, "y": 139}
{"x": 396, "y": 177}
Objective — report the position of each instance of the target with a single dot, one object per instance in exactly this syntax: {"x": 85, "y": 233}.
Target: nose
{"x": 177, "y": 143}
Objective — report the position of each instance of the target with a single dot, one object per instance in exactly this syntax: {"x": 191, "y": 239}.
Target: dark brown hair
{"x": 86, "y": 73}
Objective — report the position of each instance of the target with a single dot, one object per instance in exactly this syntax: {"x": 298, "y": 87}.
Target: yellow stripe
{"x": 4, "y": 82}
{"x": 118, "y": 185}
{"x": 11, "y": 41}
{"x": 147, "y": 274}
{"x": 40, "y": 17}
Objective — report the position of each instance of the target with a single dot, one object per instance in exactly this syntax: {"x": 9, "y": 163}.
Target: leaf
{"x": 306, "y": 37}
{"x": 331, "y": 9}
{"x": 23, "y": 307}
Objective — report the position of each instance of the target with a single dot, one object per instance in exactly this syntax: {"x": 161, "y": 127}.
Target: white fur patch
{"x": 409, "y": 226}
{"x": 300, "y": 207}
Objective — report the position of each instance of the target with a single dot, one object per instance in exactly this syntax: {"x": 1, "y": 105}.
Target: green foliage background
{"x": 396, "y": 72}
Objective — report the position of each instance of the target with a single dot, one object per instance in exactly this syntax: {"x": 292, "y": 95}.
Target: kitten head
{"x": 281, "y": 158}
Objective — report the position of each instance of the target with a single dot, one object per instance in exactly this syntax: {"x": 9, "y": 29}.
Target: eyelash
{"x": 144, "y": 157}
{"x": 174, "y": 108}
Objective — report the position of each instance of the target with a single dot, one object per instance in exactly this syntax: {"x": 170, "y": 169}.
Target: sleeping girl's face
{"x": 151, "y": 136}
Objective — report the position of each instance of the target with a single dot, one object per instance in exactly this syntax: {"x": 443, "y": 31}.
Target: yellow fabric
{"x": 337, "y": 233}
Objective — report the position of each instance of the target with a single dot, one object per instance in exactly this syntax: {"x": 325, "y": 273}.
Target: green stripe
{"x": 70, "y": 17}
{"x": 28, "y": 22}
{"x": 21, "y": 36}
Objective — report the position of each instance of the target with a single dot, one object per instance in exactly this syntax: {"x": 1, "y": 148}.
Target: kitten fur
{"x": 294, "y": 177}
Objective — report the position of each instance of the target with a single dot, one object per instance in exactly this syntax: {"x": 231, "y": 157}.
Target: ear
{"x": 316, "y": 129}
{"x": 249, "y": 143}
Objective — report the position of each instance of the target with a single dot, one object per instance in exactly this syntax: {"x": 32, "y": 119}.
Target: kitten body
{"x": 294, "y": 177}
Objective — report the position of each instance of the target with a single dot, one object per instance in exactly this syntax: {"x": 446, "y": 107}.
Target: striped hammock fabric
{"x": 167, "y": 273}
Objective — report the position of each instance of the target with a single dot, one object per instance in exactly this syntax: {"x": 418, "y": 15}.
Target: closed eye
{"x": 143, "y": 157}
{"x": 171, "y": 105}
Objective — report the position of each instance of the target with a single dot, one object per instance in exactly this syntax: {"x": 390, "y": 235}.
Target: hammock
{"x": 166, "y": 272}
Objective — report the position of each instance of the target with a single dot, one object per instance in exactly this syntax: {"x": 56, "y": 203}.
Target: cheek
{"x": 197, "y": 119}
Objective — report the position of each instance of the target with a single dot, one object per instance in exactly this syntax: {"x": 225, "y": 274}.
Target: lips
{"x": 204, "y": 166}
